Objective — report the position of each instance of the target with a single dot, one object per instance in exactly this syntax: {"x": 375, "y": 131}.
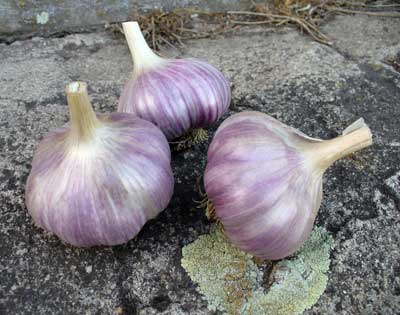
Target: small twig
{"x": 252, "y": 22}
{"x": 256, "y": 14}
{"x": 306, "y": 8}
{"x": 319, "y": 6}
{"x": 383, "y": 6}
{"x": 178, "y": 39}
{"x": 167, "y": 42}
{"x": 188, "y": 30}
{"x": 358, "y": 4}
{"x": 114, "y": 27}
{"x": 195, "y": 11}
{"x": 153, "y": 33}
{"x": 282, "y": 22}
{"x": 173, "y": 28}
{"x": 311, "y": 29}
{"x": 318, "y": 36}
{"x": 197, "y": 33}
{"x": 385, "y": 14}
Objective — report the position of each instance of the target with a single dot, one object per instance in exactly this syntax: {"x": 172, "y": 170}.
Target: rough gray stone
{"x": 393, "y": 183}
{"x": 309, "y": 86}
{"x": 21, "y": 18}
{"x": 365, "y": 38}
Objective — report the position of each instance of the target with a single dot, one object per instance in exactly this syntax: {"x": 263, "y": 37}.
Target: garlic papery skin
{"x": 265, "y": 180}
{"x": 176, "y": 95}
{"x": 99, "y": 179}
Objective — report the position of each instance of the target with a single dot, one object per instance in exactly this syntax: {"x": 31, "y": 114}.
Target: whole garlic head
{"x": 176, "y": 95}
{"x": 98, "y": 180}
{"x": 265, "y": 180}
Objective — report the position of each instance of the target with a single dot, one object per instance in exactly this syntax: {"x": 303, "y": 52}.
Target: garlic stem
{"x": 143, "y": 57}
{"x": 326, "y": 152}
{"x": 83, "y": 118}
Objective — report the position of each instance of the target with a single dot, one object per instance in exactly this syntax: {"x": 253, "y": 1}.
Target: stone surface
{"x": 317, "y": 89}
{"x": 355, "y": 40}
{"x": 21, "y": 18}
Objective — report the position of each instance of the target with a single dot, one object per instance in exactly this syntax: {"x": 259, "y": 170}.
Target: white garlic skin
{"x": 265, "y": 180}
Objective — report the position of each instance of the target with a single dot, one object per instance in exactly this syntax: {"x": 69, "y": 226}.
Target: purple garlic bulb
{"x": 265, "y": 180}
{"x": 176, "y": 95}
{"x": 98, "y": 180}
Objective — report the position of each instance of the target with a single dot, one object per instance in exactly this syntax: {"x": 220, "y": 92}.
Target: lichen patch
{"x": 232, "y": 283}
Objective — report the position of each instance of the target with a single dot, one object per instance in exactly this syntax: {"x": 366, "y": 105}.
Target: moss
{"x": 232, "y": 283}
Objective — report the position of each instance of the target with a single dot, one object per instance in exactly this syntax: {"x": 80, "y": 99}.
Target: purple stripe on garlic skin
{"x": 265, "y": 180}
{"x": 100, "y": 189}
{"x": 176, "y": 95}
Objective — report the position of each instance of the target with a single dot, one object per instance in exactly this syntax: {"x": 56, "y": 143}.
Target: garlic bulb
{"x": 176, "y": 95}
{"x": 265, "y": 180}
{"x": 99, "y": 179}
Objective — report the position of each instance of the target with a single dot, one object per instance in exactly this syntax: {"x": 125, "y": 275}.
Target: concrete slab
{"x": 317, "y": 89}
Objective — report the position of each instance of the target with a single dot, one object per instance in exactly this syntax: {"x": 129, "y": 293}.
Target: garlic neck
{"x": 356, "y": 137}
{"x": 142, "y": 56}
{"x": 83, "y": 119}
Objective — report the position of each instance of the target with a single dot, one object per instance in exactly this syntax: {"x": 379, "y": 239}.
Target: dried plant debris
{"x": 231, "y": 281}
{"x": 189, "y": 139}
{"x": 308, "y": 14}
{"x": 381, "y": 8}
{"x": 173, "y": 28}
{"x": 207, "y": 205}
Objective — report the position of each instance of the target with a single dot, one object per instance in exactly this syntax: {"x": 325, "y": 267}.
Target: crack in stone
{"x": 390, "y": 191}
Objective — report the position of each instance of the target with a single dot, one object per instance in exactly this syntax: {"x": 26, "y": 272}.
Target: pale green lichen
{"x": 42, "y": 18}
{"x": 231, "y": 282}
